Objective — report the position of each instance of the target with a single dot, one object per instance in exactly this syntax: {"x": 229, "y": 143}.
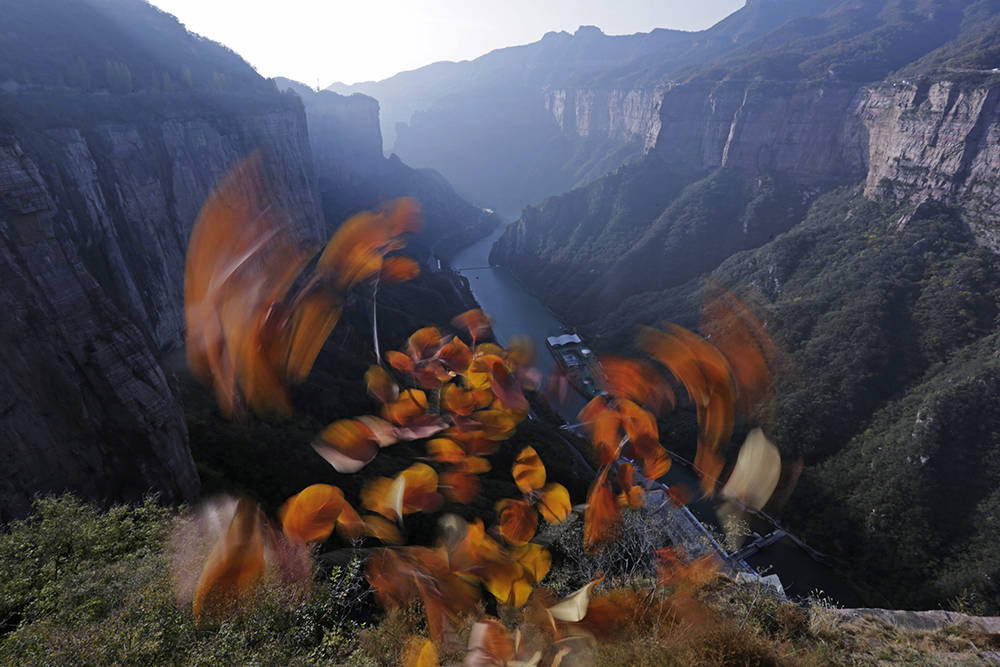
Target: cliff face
{"x": 628, "y": 115}
{"x": 127, "y": 193}
{"x": 731, "y": 166}
{"x": 523, "y": 123}
{"x": 807, "y": 133}
{"x": 115, "y": 123}
{"x": 940, "y": 142}
{"x": 85, "y": 405}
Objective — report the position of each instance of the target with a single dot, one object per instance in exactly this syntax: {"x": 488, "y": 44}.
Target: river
{"x": 516, "y": 312}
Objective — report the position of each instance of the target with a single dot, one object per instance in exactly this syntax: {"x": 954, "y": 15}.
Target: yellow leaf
{"x": 528, "y": 470}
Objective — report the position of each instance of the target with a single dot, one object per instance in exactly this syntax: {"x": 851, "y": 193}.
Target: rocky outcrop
{"x": 98, "y": 207}
{"x": 127, "y": 195}
{"x": 85, "y": 406}
{"x": 805, "y": 132}
{"x": 937, "y": 141}
{"x": 617, "y": 113}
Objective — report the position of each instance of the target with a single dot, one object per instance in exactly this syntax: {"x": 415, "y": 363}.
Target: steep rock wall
{"x": 97, "y": 210}
{"x": 806, "y": 132}
{"x": 617, "y": 113}
{"x": 85, "y": 406}
{"x": 127, "y": 194}
{"x": 939, "y": 142}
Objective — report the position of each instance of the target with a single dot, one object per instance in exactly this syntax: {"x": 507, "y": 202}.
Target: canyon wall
{"x": 99, "y": 201}
{"x": 937, "y": 142}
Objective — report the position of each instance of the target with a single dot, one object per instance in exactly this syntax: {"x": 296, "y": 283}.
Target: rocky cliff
{"x": 849, "y": 186}
{"x": 937, "y": 141}
{"x": 522, "y": 123}
{"x": 86, "y": 406}
{"x": 626, "y": 114}
{"x": 104, "y": 166}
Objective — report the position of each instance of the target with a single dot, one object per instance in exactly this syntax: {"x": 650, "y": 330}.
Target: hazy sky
{"x": 319, "y": 42}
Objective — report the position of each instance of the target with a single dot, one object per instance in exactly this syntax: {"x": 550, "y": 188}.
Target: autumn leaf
{"x": 419, "y": 652}
{"x": 490, "y": 643}
{"x": 528, "y": 470}
{"x": 518, "y": 520}
{"x": 235, "y": 566}
{"x": 600, "y": 519}
{"x": 399, "y": 269}
{"x": 311, "y": 515}
{"x": 381, "y": 385}
{"x": 554, "y": 503}
{"x": 347, "y": 444}
{"x": 573, "y": 608}
{"x": 475, "y": 322}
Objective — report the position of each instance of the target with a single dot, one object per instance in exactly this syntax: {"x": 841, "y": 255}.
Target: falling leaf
{"x": 455, "y": 355}
{"x": 490, "y": 643}
{"x": 381, "y": 385}
{"x": 445, "y": 450}
{"x": 311, "y": 515}
{"x": 637, "y": 381}
{"x": 574, "y": 608}
{"x": 554, "y": 503}
{"x": 535, "y": 559}
{"x": 459, "y": 487}
{"x": 528, "y": 470}
{"x": 459, "y": 401}
{"x": 399, "y": 269}
{"x": 600, "y": 519}
{"x": 419, "y": 652}
{"x": 382, "y": 529}
{"x": 756, "y": 473}
{"x": 475, "y": 322}
{"x": 348, "y": 445}
{"x": 518, "y": 520}
{"x": 235, "y": 566}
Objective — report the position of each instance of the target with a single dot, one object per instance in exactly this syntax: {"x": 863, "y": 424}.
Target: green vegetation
{"x": 888, "y": 317}
{"x": 87, "y": 587}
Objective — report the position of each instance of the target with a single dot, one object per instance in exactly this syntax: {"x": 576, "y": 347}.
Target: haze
{"x": 322, "y": 42}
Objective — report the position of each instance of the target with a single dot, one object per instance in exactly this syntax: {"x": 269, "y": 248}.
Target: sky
{"x": 318, "y": 42}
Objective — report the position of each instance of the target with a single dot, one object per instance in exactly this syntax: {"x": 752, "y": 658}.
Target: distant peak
{"x": 591, "y": 30}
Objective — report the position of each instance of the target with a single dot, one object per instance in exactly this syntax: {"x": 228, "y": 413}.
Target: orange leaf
{"x": 399, "y": 361}
{"x": 535, "y": 559}
{"x": 518, "y": 520}
{"x": 311, "y": 515}
{"x": 475, "y": 322}
{"x": 490, "y": 643}
{"x": 313, "y": 319}
{"x": 528, "y": 470}
{"x": 637, "y": 381}
{"x": 455, "y": 355}
{"x": 554, "y": 503}
{"x": 444, "y": 450}
{"x": 347, "y": 445}
{"x": 600, "y": 519}
{"x": 382, "y": 529}
{"x": 381, "y": 385}
{"x": 235, "y": 566}
{"x": 412, "y": 403}
{"x": 424, "y": 343}
{"x": 459, "y": 487}
{"x": 399, "y": 269}
{"x": 349, "y": 524}
{"x": 458, "y": 400}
